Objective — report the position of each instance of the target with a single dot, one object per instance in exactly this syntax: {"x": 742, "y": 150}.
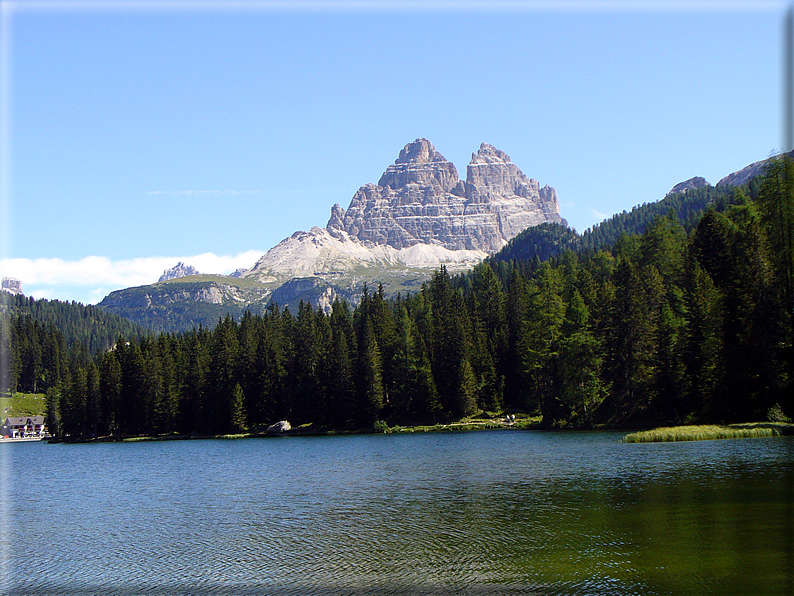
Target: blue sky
{"x": 137, "y": 134}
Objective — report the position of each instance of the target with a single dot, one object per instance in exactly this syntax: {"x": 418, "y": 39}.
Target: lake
{"x": 493, "y": 512}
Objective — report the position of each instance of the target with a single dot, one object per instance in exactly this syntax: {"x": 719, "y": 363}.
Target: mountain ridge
{"x": 421, "y": 200}
{"x": 331, "y": 262}
{"x": 419, "y": 215}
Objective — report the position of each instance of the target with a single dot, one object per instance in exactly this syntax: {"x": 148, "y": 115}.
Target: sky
{"x": 139, "y": 133}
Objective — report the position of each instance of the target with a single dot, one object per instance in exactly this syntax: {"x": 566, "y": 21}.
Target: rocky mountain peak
{"x": 337, "y": 217}
{"x": 420, "y": 151}
{"x": 421, "y": 200}
{"x": 687, "y": 185}
{"x": 491, "y": 174}
{"x": 489, "y": 154}
{"x": 420, "y": 163}
{"x": 179, "y": 270}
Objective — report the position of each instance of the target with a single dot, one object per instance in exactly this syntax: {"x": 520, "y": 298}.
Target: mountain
{"x": 186, "y": 302}
{"x": 692, "y": 184}
{"x": 418, "y": 216}
{"x": 179, "y": 270}
{"x": 396, "y": 233}
{"x": 421, "y": 200}
{"x": 688, "y": 200}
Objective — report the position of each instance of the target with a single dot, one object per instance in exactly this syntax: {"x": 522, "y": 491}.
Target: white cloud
{"x": 199, "y": 193}
{"x": 96, "y": 295}
{"x": 90, "y": 279}
{"x": 39, "y": 293}
{"x": 601, "y": 216}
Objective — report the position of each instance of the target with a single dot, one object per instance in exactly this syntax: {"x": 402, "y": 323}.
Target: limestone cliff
{"x": 687, "y": 185}
{"x": 420, "y": 200}
{"x": 177, "y": 271}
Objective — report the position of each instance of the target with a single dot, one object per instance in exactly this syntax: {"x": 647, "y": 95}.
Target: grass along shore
{"x": 706, "y": 432}
{"x": 521, "y": 422}
{"x": 701, "y": 432}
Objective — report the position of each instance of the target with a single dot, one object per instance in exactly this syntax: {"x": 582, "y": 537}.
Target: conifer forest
{"x": 689, "y": 321}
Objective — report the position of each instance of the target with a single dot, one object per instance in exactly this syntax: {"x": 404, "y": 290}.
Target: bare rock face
{"x": 748, "y": 172}
{"x": 687, "y": 185}
{"x": 743, "y": 175}
{"x": 495, "y": 186}
{"x": 420, "y": 200}
{"x": 311, "y": 289}
{"x": 179, "y": 270}
{"x": 420, "y": 163}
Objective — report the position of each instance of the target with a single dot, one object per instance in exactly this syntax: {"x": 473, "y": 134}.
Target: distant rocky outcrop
{"x": 743, "y": 175}
{"x": 687, "y": 185}
{"x": 12, "y": 285}
{"x": 177, "y": 271}
{"x": 747, "y": 172}
{"x": 314, "y": 290}
{"x": 420, "y": 200}
{"x": 180, "y": 304}
{"x": 735, "y": 179}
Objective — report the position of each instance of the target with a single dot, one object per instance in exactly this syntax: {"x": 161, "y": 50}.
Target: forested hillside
{"x": 668, "y": 326}
{"x": 551, "y": 240}
{"x": 42, "y": 339}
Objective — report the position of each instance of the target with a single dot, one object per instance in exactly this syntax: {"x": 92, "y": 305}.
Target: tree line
{"x": 549, "y": 240}
{"x": 42, "y": 339}
{"x": 669, "y": 326}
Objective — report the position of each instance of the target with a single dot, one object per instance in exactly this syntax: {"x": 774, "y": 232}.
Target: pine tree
{"x": 73, "y": 405}
{"x": 631, "y": 339}
{"x": 110, "y": 384}
{"x": 416, "y": 396}
{"x": 224, "y": 356}
{"x": 776, "y": 201}
{"x": 308, "y": 400}
{"x": 94, "y": 412}
{"x": 54, "y": 411}
{"x": 370, "y": 373}
{"x": 238, "y": 416}
{"x": 542, "y": 335}
{"x": 466, "y": 391}
{"x": 703, "y": 352}
{"x": 581, "y": 358}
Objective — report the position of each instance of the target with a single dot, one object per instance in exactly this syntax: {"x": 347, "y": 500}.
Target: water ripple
{"x": 485, "y": 513}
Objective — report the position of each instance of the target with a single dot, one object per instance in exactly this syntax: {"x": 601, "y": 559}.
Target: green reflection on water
{"x": 688, "y": 530}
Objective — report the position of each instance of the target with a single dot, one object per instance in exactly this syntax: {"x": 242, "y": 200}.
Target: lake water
{"x": 503, "y": 512}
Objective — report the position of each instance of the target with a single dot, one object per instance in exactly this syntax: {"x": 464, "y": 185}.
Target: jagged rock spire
{"x": 179, "y": 270}
{"x": 420, "y": 163}
{"x": 420, "y": 200}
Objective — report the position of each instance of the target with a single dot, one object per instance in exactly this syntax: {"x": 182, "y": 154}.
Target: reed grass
{"x": 707, "y": 432}
{"x": 472, "y": 423}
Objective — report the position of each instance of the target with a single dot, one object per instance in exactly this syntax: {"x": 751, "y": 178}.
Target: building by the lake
{"x": 20, "y": 427}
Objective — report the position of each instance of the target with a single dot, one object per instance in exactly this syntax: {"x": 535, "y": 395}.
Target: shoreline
{"x": 666, "y": 434}
{"x": 310, "y": 430}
